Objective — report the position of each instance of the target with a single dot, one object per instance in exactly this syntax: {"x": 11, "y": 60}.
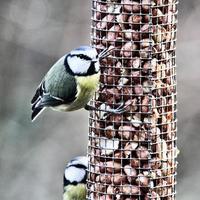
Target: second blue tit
{"x": 70, "y": 83}
{"x": 74, "y": 181}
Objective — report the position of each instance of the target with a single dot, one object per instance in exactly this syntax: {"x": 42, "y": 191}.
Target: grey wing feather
{"x": 58, "y": 87}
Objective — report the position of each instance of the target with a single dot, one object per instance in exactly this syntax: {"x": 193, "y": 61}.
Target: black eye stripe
{"x": 81, "y": 56}
{"x": 80, "y": 166}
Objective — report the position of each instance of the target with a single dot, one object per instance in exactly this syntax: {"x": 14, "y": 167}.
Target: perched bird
{"x": 71, "y": 82}
{"x": 74, "y": 181}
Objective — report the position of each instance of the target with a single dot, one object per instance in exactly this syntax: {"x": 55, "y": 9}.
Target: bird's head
{"x": 76, "y": 171}
{"x": 84, "y": 61}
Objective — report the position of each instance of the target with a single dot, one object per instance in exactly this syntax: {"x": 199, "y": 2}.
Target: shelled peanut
{"x": 135, "y": 152}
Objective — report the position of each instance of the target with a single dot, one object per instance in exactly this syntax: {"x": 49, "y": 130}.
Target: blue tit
{"x": 74, "y": 181}
{"x": 71, "y": 82}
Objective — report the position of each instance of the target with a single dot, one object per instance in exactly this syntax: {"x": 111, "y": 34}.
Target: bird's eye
{"x": 83, "y": 57}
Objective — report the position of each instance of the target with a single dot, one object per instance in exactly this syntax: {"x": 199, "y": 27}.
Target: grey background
{"x": 33, "y": 35}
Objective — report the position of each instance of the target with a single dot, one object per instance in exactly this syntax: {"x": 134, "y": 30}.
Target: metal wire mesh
{"x": 132, "y": 156}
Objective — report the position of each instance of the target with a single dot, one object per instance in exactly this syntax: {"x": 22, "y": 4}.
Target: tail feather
{"x": 35, "y": 102}
{"x": 43, "y": 99}
{"x": 37, "y": 95}
{"x": 36, "y": 112}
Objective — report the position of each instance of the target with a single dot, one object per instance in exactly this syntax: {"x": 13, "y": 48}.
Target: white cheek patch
{"x": 97, "y": 66}
{"x": 74, "y": 174}
{"x": 78, "y": 65}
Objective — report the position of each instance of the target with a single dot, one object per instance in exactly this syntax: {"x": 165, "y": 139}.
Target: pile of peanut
{"x": 133, "y": 154}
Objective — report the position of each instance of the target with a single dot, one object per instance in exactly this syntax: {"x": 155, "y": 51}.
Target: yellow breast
{"x": 86, "y": 87}
{"x": 75, "y": 192}
{"x": 88, "y": 83}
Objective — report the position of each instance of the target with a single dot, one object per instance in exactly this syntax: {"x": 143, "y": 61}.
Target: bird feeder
{"x": 132, "y": 155}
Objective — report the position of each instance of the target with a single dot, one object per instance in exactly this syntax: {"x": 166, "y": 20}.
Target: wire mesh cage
{"x": 132, "y": 156}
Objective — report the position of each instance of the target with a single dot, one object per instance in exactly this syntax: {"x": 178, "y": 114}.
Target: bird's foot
{"x": 119, "y": 110}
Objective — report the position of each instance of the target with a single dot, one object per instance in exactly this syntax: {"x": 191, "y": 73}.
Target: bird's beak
{"x": 105, "y": 53}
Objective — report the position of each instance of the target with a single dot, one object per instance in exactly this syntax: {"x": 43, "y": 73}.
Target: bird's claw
{"x": 120, "y": 110}
{"x": 109, "y": 111}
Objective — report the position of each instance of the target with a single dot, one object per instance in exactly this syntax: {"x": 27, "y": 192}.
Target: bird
{"x": 74, "y": 179}
{"x": 71, "y": 82}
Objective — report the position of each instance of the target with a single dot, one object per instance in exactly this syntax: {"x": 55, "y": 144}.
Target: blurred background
{"x": 33, "y": 35}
